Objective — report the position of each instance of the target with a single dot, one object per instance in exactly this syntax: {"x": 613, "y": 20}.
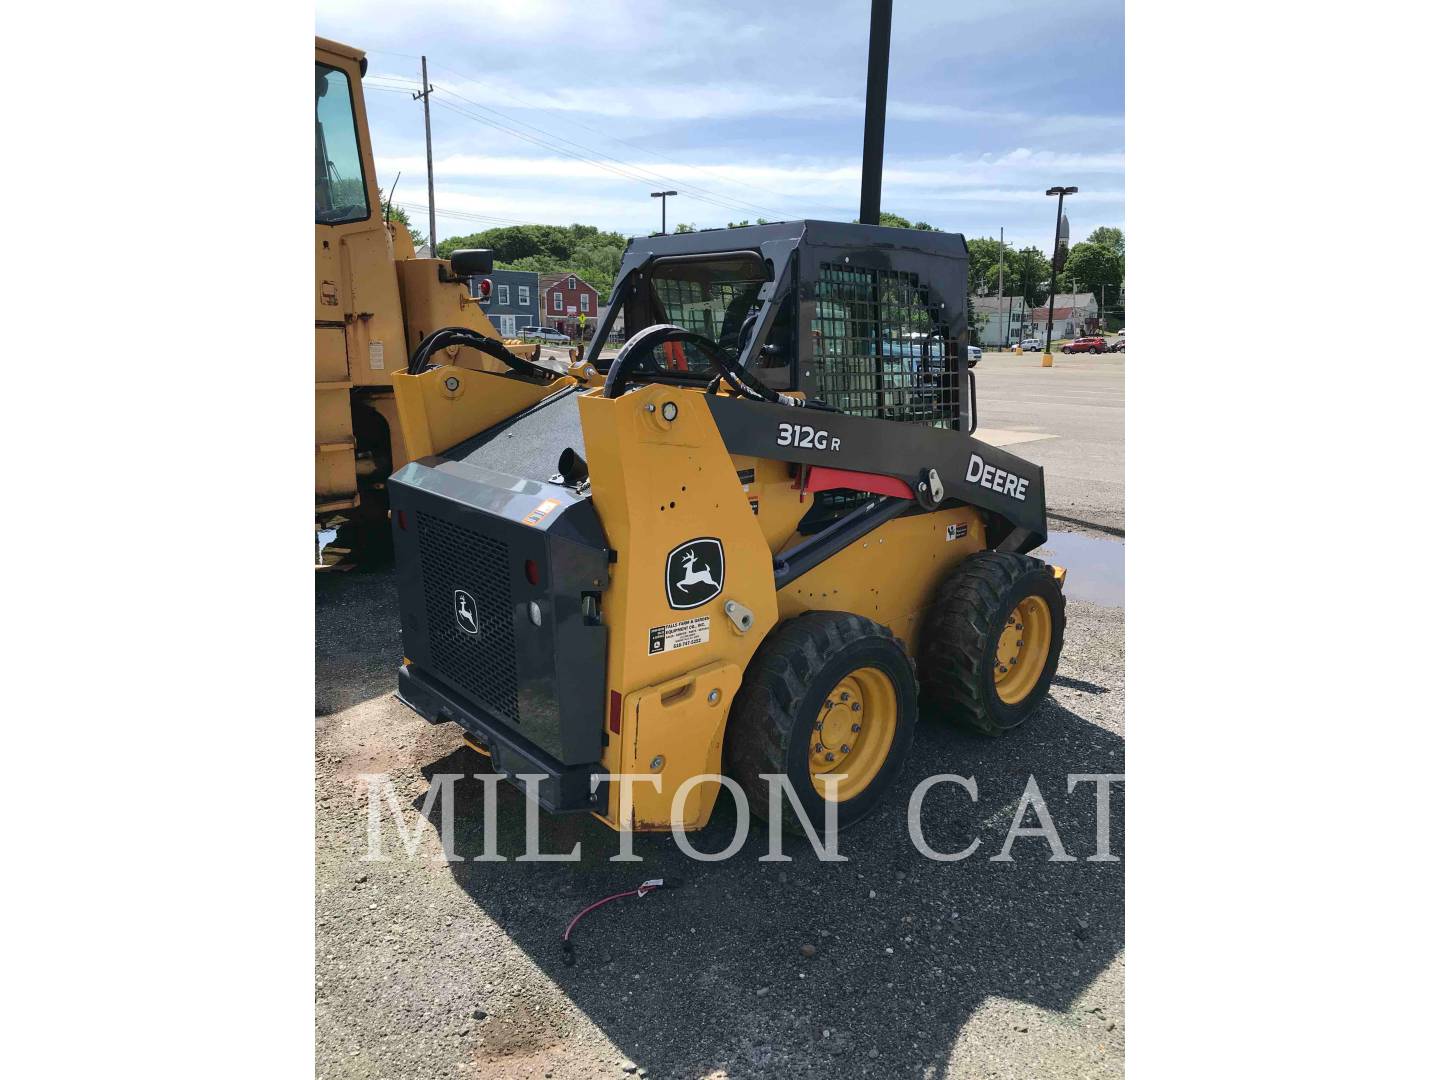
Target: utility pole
{"x": 424, "y": 95}
{"x": 1049, "y": 360}
{"x": 662, "y": 196}
{"x": 1005, "y": 340}
{"x": 877, "y": 81}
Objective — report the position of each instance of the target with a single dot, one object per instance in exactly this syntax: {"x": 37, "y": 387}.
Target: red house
{"x": 564, "y": 298}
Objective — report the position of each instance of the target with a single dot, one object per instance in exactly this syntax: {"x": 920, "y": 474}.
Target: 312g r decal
{"x": 805, "y": 437}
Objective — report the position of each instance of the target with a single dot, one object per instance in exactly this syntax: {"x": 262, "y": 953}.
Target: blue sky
{"x": 749, "y": 109}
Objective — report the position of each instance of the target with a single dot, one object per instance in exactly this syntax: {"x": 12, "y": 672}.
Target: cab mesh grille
{"x": 455, "y": 559}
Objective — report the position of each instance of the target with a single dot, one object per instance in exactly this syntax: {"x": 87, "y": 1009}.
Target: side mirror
{"x": 472, "y": 262}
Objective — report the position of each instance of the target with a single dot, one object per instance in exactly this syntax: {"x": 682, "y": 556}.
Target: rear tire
{"x": 963, "y": 674}
{"x": 789, "y": 710}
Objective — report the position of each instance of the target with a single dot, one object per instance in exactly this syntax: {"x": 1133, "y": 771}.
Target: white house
{"x": 991, "y": 315}
{"x": 1076, "y": 314}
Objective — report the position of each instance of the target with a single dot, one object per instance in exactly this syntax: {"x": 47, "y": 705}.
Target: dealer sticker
{"x": 679, "y": 635}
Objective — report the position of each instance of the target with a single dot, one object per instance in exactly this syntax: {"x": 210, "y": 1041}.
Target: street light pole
{"x": 1055, "y": 267}
{"x": 877, "y": 84}
{"x": 661, "y": 195}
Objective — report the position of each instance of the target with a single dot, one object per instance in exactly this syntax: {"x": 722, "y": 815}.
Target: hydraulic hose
{"x": 459, "y": 335}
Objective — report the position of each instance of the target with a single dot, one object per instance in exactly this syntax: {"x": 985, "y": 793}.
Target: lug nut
{"x": 844, "y": 695}
{"x": 829, "y": 704}
{"x": 844, "y": 749}
{"x": 854, "y": 728}
{"x": 855, "y": 707}
{"x": 829, "y": 757}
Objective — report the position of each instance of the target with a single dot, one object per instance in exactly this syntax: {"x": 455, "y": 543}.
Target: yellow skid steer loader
{"x": 759, "y": 548}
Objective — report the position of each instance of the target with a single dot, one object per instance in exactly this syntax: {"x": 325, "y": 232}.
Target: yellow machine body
{"x": 374, "y": 302}
{"x": 657, "y": 483}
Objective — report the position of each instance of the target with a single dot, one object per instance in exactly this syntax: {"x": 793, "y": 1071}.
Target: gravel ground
{"x": 973, "y": 968}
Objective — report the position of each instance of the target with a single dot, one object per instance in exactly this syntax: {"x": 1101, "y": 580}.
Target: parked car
{"x": 975, "y": 354}
{"x": 1032, "y": 344}
{"x": 1117, "y": 344}
{"x": 1085, "y": 344}
{"x": 545, "y": 333}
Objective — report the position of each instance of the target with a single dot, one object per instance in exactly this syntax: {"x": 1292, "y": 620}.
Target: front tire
{"x": 992, "y": 640}
{"x": 830, "y": 693}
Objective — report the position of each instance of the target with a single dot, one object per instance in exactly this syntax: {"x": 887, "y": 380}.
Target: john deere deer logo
{"x": 695, "y": 573}
{"x": 465, "y": 616}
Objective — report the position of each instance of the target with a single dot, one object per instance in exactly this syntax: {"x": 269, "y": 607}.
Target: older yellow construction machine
{"x": 376, "y": 305}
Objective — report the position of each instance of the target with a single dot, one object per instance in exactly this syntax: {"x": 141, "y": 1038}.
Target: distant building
{"x": 991, "y": 316}
{"x": 1076, "y": 314}
{"x": 564, "y": 298}
{"x": 514, "y": 299}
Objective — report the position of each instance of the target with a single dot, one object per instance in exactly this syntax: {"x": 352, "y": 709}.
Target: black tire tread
{"x": 763, "y": 719}
{"x": 954, "y": 664}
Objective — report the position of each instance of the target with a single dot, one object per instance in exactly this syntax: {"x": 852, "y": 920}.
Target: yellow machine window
{"x": 340, "y": 194}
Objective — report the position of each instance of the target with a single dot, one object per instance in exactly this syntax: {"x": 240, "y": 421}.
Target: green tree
{"x": 895, "y": 221}
{"x": 583, "y": 250}
{"x": 1109, "y": 236}
{"x": 984, "y": 255}
{"x": 1091, "y": 265}
{"x": 1026, "y": 271}
{"x": 683, "y": 228}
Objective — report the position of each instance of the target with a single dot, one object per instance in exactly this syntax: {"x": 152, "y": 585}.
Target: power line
{"x": 625, "y": 142}
{"x": 589, "y": 155}
{"x": 622, "y": 169}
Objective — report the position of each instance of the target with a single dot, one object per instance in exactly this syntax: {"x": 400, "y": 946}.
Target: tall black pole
{"x": 876, "y": 85}
{"x": 1054, "y": 273}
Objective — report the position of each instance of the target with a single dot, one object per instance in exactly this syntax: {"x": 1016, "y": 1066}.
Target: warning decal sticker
{"x": 679, "y": 635}
{"x": 955, "y": 532}
{"x": 540, "y": 512}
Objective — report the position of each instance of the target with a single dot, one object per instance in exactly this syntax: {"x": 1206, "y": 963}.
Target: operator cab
{"x": 867, "y": 320}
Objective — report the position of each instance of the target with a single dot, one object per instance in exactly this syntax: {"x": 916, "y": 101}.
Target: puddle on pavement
{"x": 323, "y": 539}
{"x": 1095, "y": 567}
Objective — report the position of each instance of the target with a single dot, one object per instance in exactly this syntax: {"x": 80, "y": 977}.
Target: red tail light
{"x": 615, "y": 711}
{"x": 485, "y": 287}
{"x": 532, "y": 572}
{"x": 400, "y": 517}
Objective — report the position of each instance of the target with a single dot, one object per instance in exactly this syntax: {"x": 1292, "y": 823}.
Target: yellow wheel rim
{"x": 1024, "y": 647}
{"x": 852, "y": 734}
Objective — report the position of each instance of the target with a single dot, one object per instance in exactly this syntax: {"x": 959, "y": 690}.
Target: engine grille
{"x": 482, "y": 664}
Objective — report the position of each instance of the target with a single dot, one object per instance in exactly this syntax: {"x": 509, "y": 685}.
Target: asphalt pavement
{"x": 889, "y": 964}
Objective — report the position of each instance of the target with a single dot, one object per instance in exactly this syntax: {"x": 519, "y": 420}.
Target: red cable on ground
{"x": 644, "y": 889}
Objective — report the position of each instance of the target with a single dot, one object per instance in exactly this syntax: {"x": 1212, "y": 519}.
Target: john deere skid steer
{"x": 761, "y": 547}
